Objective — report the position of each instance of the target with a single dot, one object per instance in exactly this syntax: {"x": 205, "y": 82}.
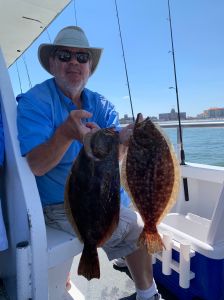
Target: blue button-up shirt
{"x": 40, "y": 112}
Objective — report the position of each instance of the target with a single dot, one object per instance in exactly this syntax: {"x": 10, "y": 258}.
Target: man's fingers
{"x": 80, "y": 114}
{"x": 92, "y": 125}
{"x": 130, "y": 126}
{"x": 125, "y": 135}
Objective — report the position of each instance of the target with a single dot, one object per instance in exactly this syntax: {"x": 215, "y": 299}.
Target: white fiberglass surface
{"x": 190, "y": 224}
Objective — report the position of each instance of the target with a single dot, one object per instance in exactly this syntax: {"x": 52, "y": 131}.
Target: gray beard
{"x": 72, "y": 91}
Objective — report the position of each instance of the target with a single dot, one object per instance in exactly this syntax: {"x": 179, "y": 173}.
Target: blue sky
{"x": 198, "y": 31}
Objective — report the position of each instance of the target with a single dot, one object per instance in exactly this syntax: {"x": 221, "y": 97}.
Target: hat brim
{"x": 45, "y": 50}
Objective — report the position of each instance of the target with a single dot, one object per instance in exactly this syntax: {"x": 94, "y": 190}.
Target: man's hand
{"x": 127, "y": 131}
{"x": 46, "y": 156}
{"x": 124, "y": 137}
{"x": 74, "y": 128}
{"x": 92, "y": 126}
{"x": 125, "y": 134}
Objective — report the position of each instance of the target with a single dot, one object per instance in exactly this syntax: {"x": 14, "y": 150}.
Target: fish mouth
{"x": 98, "y": 143}
{"x": 139, "y": 118}
{"x": 87, "y": 146}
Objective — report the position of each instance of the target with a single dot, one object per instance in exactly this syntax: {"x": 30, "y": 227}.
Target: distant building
{"x": 172, "y": 116}
{"x": 126, "y": 119}
{"x": 213, "y": 113}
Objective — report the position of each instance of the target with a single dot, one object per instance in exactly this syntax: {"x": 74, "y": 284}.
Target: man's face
{"x": 70, "y": 74}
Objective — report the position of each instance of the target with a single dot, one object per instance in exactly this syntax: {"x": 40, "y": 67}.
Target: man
{"x": 53, "y": 118}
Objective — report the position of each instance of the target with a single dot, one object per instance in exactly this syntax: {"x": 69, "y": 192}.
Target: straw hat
{"x": 71, "y": 36}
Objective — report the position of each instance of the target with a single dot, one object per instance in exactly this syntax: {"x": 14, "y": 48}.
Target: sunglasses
{"x": 66, "y": 56}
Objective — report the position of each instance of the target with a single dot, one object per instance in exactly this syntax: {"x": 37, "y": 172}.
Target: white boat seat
{"x": 61, "y": 246}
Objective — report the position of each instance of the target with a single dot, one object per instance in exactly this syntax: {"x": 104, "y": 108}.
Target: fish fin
{"x": 176, "y": 184}
{"x": 113, "y": 226}
{"x": 87, "y": 146}
{"x": 124, "y": 181}
{"x": 89, "y": 266}
{"x": 152, "y": 241}
{"x": 68, "y": 209}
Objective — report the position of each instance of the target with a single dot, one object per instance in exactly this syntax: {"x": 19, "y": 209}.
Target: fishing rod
{"x": 182, "y": 154}
{"x": 76, "y": 21}
{"x": 125, "y": 65}
{"x": 27, "y": 71}
{"x": 20, "y": 84}
{"x": 48, "y": 35}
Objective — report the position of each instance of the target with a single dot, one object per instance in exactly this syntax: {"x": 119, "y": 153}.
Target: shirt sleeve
{"x": 34, "y": 123}
{"x": 107, "y": 115}
{"x": 2, "y": 144}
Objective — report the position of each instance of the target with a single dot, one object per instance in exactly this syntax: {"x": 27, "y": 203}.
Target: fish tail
{"x": 89, "y": 266}
{"x": 151, "y": 240}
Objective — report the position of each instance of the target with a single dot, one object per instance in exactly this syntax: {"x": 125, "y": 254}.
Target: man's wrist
{"x": 63, "y": 134}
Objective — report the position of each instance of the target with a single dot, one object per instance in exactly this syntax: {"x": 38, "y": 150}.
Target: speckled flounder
{"x": 150, "y": 174}
{"x": 92, "y": 196}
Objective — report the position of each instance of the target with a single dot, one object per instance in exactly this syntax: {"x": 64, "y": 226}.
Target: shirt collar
{"x": 86, "y": 104}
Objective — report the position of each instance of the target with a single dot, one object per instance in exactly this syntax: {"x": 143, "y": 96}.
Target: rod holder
{"x": 23, "y": 271}
{"x": 167, "y": 253}
{"x": 153, "y": 259}
{"x": 184, "y": 265}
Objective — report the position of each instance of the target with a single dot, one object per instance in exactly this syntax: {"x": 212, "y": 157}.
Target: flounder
{"x": 150, "y": 174}
{"x": 92, "y": 196}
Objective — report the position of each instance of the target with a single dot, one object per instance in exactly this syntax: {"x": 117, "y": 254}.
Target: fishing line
{"x": 182, "y": 154}
{"x": 76, "y": 21}
{"x": 48, "y": 35}
{"x": 27, "y": 72}
{"x": 20, "y": 85}
{"x": 125, "y": 65}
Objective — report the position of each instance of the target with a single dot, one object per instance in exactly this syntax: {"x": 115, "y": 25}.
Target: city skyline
{"x": 212, "y": 112}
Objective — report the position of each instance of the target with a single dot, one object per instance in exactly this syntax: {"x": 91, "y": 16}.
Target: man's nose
{"x": 73, "y": 59}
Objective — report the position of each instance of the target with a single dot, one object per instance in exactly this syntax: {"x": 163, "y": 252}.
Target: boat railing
{"x": 208, "y": 123}
{"x": 189, "y": 123}
{"x": 195, "y": 123}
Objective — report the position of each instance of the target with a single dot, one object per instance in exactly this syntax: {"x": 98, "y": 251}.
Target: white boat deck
{"x": 112, "y": 284}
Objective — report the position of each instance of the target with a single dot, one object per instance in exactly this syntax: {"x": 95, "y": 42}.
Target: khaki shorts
{"x": 123, "y": 240}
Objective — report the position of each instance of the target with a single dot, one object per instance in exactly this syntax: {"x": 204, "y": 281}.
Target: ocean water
{"x": 201, "y": 145}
